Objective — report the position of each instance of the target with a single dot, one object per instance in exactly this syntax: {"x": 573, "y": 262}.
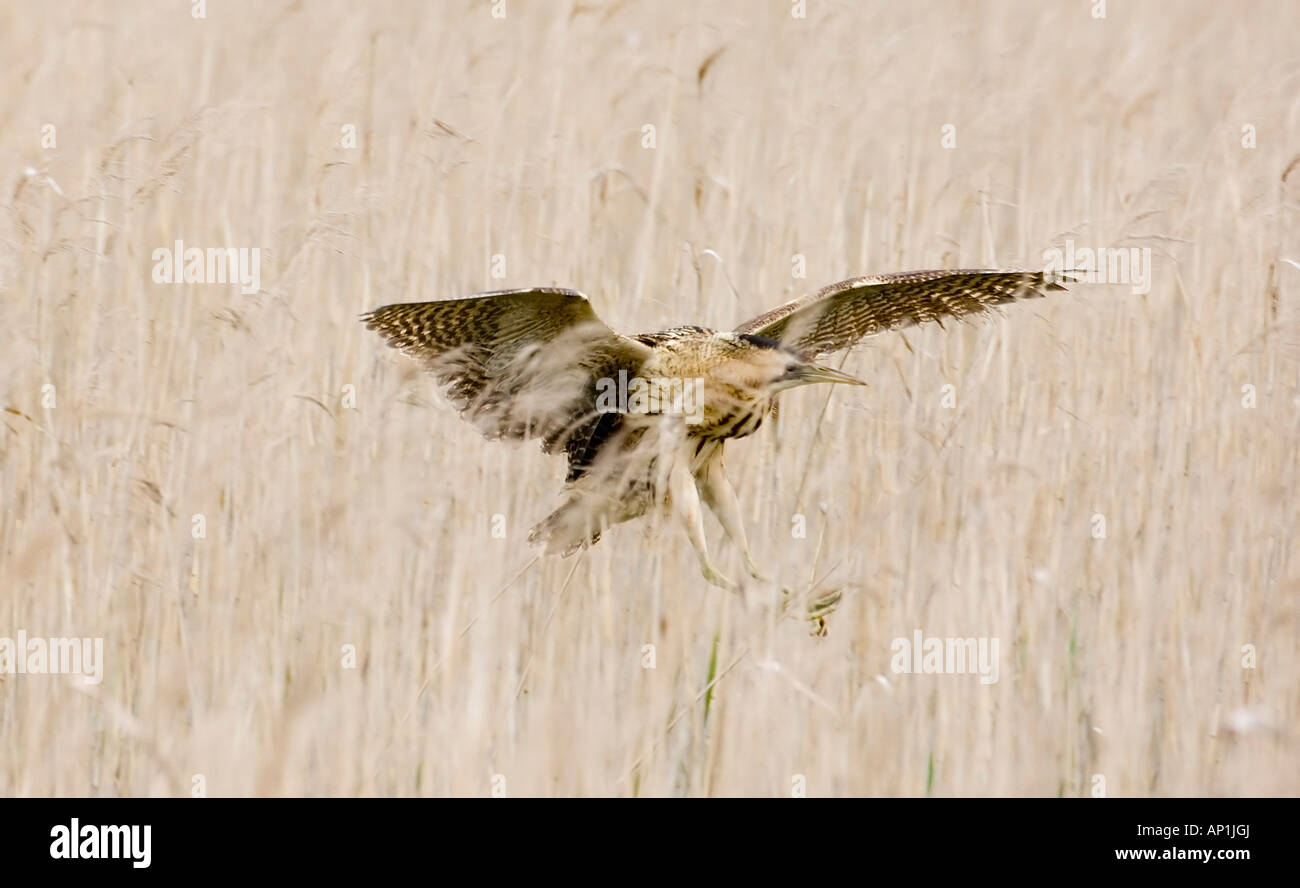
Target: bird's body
{"x": 731, "y": 406}
{"x": 629, "y": 467}
{"x": 643, "y": 420}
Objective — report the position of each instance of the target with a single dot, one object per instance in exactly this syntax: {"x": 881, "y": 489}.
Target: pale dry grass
{"x": 371, "y": 526}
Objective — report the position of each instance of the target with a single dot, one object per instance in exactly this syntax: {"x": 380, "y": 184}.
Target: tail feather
{"x": 566, "y": 530}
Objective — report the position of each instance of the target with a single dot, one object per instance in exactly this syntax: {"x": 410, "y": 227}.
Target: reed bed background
{"x": 343, "y": 504}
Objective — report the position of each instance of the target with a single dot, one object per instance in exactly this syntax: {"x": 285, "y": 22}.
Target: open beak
{"x": 810, "y": 373}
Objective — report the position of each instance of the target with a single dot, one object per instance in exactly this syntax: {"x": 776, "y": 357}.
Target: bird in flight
{"x": 643, "y": 419}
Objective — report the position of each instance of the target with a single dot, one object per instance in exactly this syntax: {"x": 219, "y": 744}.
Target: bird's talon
{"x": 825, "y": 604}
{"x": 817, "y": 609}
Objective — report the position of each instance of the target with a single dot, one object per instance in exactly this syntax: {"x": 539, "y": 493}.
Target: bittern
{"x": 539, "y": 364}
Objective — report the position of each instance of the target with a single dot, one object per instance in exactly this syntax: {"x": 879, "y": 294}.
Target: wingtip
{"x": 1056, "y": 279}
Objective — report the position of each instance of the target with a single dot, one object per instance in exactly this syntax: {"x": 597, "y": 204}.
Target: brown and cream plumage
{"x": 533, "y": 364}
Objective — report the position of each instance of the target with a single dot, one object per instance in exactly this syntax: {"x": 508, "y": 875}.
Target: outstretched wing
{"x": 515, "y": 363}
{"x": 838, "y": 316}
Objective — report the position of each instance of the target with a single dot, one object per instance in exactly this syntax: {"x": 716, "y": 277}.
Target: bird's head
{"x": 781, "y": 368}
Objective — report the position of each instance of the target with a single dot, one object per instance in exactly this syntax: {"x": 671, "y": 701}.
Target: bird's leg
{"x": 720, "y": 496}
{"x": 715, "y": 487}
{"x": 686, "y": 502}
{"x": 716, "y": 490}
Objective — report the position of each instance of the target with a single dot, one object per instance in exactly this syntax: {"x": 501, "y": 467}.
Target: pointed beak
{"x": 810, "y": 373}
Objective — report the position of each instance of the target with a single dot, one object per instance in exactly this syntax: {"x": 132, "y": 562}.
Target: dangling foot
{"x": 820, "y": 605}
{"x": 820, "y": 608}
